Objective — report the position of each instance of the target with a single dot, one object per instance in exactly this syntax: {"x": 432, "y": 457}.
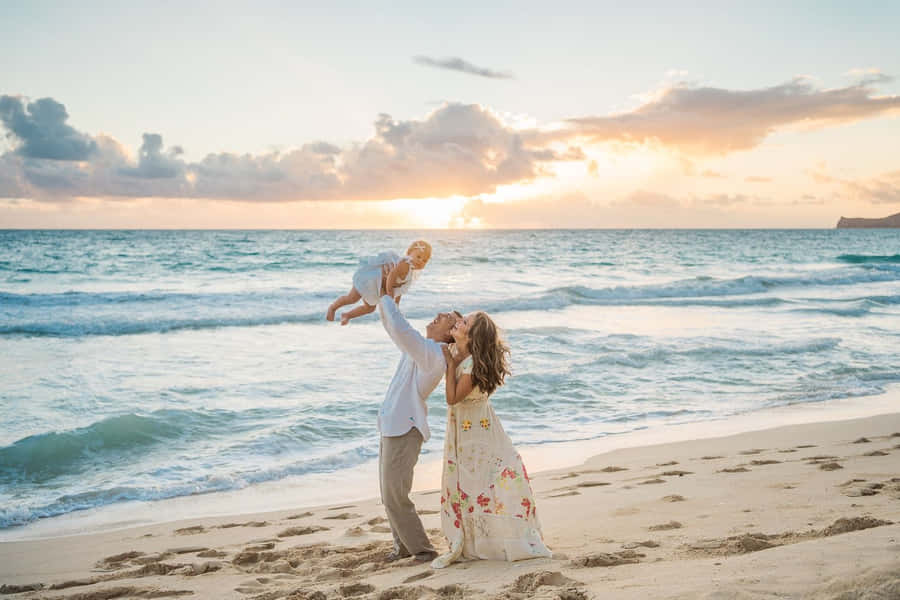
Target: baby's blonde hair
{"x": 421, "y": 245}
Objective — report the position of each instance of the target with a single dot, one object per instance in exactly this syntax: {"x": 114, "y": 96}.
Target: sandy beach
{"x": 808, "y": 510}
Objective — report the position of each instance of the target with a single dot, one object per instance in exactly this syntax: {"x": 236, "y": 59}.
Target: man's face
{"x": 439, "y": 329}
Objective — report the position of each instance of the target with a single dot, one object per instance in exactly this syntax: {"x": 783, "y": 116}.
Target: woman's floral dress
{"x": 487, "y": 506}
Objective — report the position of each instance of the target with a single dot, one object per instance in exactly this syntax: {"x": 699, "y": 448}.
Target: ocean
{"x": 139, "y": 366}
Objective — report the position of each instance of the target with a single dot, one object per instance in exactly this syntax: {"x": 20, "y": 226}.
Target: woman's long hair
{"x": 490, "y": 354}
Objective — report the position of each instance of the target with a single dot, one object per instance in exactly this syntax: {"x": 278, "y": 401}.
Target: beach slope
{"x": 799, "y": 511}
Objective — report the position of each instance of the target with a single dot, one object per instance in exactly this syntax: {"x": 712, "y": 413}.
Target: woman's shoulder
{"x": 465, "y": 366}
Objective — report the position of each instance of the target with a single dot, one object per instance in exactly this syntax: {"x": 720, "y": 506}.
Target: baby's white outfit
{"x": 367, "y": 279}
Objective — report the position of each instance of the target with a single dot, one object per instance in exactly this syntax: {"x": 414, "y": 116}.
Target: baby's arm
{"x": 398, "y": 273}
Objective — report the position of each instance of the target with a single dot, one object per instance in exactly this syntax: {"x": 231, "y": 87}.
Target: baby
{"x": 398, "y": 274}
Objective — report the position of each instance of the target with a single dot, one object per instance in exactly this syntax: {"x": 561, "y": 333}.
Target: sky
{"x": 482, "y": 115}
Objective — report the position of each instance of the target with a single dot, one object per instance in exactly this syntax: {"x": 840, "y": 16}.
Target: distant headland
{"x": 891, "y": 221}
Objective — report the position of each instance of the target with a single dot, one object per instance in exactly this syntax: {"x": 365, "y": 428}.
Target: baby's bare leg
{"x": 362, "y": 309}
{"x": 351, "y": 297}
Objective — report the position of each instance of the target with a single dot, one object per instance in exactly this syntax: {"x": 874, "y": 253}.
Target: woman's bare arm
{"x": 456, "y": 389}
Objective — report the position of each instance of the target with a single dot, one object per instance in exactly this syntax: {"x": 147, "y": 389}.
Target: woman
{"x": 487, "y": 506}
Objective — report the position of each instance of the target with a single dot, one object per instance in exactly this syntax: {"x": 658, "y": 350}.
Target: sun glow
{"x": 430, "y": 213}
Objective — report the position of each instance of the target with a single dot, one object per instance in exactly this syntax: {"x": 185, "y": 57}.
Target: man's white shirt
{"x": 419, "y": 372}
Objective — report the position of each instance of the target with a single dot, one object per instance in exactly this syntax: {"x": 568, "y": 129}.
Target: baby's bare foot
{"x": 330, "y": 315}
{"x": 345, "y": 318}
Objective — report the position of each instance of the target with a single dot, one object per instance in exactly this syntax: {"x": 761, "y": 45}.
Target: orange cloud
{"x": 715, "y": 121}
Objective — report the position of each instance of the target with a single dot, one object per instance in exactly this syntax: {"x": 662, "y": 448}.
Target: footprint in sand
{"x": 566, "y": 476}
{"x": 418, "y": 576}
{"x": 187, "y": 550}
{"x": 342, "y": 507}
{"x": 356, "y": 589}
{"x": 876, "y": 453}
{"x": 612, "y": 469}
{"x": 830, "y": 466}
{"x": 644, "y": 544}
{"x": 194, "y": 529}
{"x": 12, "y": 588}
{"x": 787, "y": 450}
{"x": 604, "y": 559}
{"x": 117, "y": 561}
{"x": 734, "y": 470}
{"x": 673, "y": 498}
{"x": 666, "y": 526}
{"x": 530, "y": 582}
{"x": 587, "y": 484}
{"x": 752, "y": 451}
{"x": 292, "y": 531}
{"x": 649, "y": 481}
{"x": 806, "y": 446}
{"x": 302, "y": 515}
{"x": 675, "y": 473}
{"x": 569, "y": 493}
{"x": 667, "y": 464}
{"x": 247, "y": 524}
{"x": 344, "y": 516}
{"x": 760, "y": 463}
{"x": 862, "y": 440}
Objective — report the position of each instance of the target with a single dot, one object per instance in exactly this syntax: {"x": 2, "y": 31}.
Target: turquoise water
{"x": 142, "y": 365}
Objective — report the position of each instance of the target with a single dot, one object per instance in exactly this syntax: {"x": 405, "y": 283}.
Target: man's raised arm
{"x": 425, "y": 352}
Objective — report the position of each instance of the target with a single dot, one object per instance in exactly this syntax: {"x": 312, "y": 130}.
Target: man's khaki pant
{"x": 397, "y": 458}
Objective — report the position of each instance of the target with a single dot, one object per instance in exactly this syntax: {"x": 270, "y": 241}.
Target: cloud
{"x": 881, "y": 189}
{"x": 152, "y": 163}
{"x": 41, "y": 130}
{"x": 725, "y": 199}
{"x": 716, "y": 121}
{"x": 869, "y": 76}
{"x": 458, "y": 149}
{"x": 455, "y": 63}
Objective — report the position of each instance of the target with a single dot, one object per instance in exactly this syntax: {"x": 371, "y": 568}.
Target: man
{"x": 403, "y": 422}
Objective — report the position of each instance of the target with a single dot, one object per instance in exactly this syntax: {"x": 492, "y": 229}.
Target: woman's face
{"x": 460, "y": 331}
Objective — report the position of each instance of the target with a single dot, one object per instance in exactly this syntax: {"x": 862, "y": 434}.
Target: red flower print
{"x": 455, "y": 506}
{"x": 463, "y": 495}
{"x": 455, "y": 524}
{"x": 525, "y": 473}
{"x": 527, "y": 504}
{"x": 487, "y": 510}
{"x": 471, "y": 508}
{"x": 482, "y": 500}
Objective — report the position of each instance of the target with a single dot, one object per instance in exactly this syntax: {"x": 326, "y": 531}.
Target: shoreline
{"x": 801, "y": 509}
{"x": 359, "y": 483}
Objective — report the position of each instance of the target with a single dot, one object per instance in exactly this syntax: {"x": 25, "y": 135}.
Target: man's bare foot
{"x": 345, "y": 318}
{"x": 330, "y": 315}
